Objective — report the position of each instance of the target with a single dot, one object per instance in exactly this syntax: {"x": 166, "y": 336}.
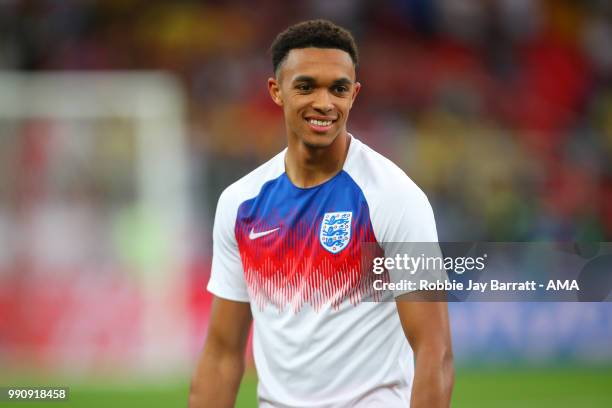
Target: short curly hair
{"x": 313, "y": 33}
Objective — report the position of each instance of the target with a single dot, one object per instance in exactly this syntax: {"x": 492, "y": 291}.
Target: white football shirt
{"x": 296, "y": 255}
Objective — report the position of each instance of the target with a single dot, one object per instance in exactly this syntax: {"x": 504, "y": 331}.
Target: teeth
{"x": 320, "y": 122}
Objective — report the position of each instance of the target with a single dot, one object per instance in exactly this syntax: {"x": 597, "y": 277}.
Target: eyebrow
{"x": 342, "y": 81}
{"x": 309, "y": 79}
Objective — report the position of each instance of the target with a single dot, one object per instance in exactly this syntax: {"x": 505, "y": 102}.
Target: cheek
{"x": 292, "y": 113}
{"x": 295, "y": 107}
{"x": 344, "y": 108}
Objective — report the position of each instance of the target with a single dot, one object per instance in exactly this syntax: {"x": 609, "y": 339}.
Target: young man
{"x": 288, "y": 244}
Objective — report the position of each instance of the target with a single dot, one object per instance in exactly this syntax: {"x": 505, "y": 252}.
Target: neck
{"x": 309, "y": 166}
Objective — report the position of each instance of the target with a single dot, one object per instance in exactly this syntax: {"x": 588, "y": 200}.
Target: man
{"x": 288, "y": 244}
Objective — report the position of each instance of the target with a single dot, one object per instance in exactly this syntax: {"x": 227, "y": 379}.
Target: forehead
{"x": 319, "y": 63}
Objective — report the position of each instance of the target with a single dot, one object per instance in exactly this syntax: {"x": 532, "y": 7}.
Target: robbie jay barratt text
{"x": 493, "y": 285}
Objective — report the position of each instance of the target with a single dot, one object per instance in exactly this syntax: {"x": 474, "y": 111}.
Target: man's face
{"x": 316, "y": 88}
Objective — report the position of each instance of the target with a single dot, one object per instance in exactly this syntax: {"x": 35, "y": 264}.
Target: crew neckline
{"x": 352, "y": 146}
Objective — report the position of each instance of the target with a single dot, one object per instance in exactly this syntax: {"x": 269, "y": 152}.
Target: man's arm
{"x": 426, "y": 326}
{"x": 220, "y": 368}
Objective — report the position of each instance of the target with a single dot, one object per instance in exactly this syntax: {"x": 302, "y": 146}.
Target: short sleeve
{"x": 409, "y": 230}
{"x": 408, "y": 218}
{"x": 227, "y": 275}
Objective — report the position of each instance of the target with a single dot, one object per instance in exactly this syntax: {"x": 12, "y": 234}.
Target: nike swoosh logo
{"x": 255, "y": 235}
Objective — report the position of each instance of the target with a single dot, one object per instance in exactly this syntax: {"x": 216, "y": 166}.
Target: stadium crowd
{"x": 500, "y": 110}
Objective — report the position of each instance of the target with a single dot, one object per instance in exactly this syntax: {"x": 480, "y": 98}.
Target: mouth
{"x": 320, "y": 125}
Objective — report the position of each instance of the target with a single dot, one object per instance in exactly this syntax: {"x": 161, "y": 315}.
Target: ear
{"x": 356, "y": 90}
{"x": 274, "y": 89}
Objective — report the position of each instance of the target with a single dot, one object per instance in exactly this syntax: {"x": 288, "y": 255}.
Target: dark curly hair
{"x": 313, "y": 33}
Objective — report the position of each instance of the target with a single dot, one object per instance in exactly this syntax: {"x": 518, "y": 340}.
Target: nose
{"x": 322, "y": 101}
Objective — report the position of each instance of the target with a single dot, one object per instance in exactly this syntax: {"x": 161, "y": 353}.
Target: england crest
{"x": 335, "y": 231}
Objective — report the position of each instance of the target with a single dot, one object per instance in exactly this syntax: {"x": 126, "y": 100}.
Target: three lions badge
{"x": 335, "y": 231}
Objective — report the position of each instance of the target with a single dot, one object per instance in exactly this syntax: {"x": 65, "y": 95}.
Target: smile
{"x": 320, "y": 122}
{"x": 320, "y": 125}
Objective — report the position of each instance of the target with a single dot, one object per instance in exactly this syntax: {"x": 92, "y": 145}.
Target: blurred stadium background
{"x": 121, "y": 121}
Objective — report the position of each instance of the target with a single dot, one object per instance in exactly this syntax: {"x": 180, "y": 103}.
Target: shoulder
{"x": 381, "y": 180}
{"x": 399, "y": 209}
{"x": 250, "y": 185}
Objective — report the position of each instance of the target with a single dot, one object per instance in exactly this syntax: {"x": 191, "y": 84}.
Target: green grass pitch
{"x": 474, "y": 388}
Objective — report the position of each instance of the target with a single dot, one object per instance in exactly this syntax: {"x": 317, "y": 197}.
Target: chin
{"x": 318, "y": 141}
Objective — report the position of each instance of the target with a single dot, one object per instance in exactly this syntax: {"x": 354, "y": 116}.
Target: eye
{"x": 303, "y": 87}
{"x": 340, "y": 89}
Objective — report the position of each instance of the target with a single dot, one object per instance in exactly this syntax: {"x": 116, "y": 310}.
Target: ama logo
{"x": 335, "y": 231}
